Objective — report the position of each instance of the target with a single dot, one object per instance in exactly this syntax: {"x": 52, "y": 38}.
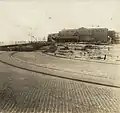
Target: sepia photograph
{"x": 59, "y": 56}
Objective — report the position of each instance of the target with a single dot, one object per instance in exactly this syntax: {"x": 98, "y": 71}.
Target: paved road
{"x": 33, "y": 92}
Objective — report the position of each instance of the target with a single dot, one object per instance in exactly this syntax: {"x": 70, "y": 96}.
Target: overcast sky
{"x": 18, "y": 18}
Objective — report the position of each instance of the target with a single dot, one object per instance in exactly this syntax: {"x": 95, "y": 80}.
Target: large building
{"x": 101, "y": 35}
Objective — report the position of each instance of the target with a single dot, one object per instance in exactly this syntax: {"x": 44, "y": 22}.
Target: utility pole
{"x": 43, "y": 38}
{"x": 32, "y": 37}
{"x": 1, "y": 43}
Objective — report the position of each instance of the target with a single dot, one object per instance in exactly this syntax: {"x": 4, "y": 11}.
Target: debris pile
{"x": 85, "y": 51}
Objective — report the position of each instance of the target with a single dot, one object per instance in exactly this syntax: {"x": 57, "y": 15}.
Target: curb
{"x": 52, "y": 68}
{"x": 70, "y": 78}
{"x": 39, "y": 65}
{"x": 57, "y": 76}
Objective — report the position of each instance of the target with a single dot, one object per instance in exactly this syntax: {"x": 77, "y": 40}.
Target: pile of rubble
{"x": 85, "y": 51}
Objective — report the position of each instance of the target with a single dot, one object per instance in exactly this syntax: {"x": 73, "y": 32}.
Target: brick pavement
{"x": 43, "y": 94}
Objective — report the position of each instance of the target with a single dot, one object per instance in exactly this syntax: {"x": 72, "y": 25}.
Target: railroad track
{"x": 63, "y": 77}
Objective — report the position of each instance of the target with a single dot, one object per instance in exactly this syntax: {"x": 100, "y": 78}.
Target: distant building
{"x": 101, "y": 35}
{"x": 111, "y": 34}
{"x": 116, "y": 39}
{"x": 67, "y": 32}
{"x": 84, "y": 31}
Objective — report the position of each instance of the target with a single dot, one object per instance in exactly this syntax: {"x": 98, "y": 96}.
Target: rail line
{"x": 38, "y": 65}
{"x": 57, "y": 76}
